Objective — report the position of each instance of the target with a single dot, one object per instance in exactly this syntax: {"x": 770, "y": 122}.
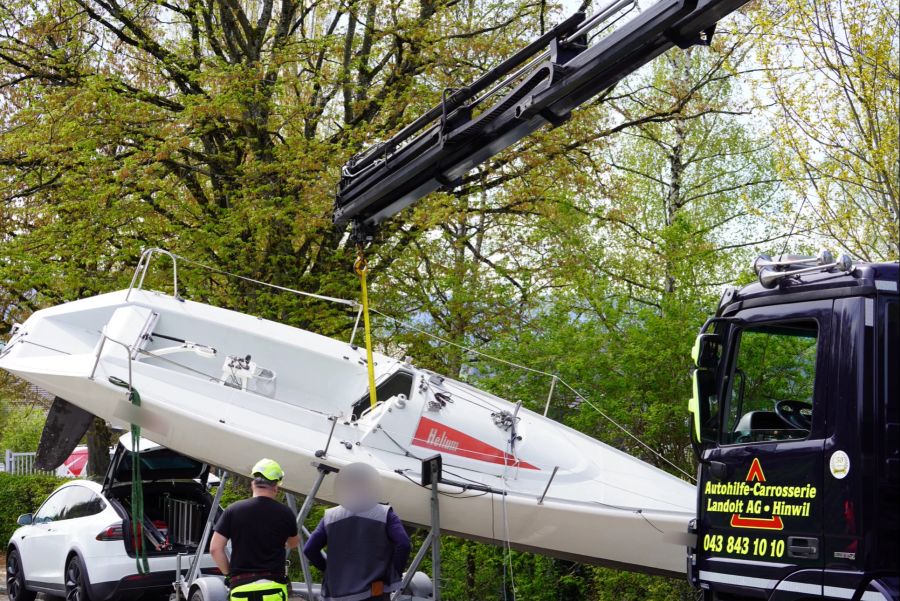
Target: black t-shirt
{"x": 258, "y": 529}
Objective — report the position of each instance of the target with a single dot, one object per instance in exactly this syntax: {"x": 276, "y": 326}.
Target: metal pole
{"x": 550, "y": 396}
{"x": 546, "y": 488}
{"x": 356, "y": 324}
{"x": 436, "y": 533}
{"x": 414, "y": 566}
{"x": 99, "y": 350}
{"x": 292, "y": 504}
{"x": 179, "y": 578}
{"x": 323, "y": 452}
{"x": 301, "y": 517}
{"x": 207, "y": 530}
{"x": 134, "y": 277}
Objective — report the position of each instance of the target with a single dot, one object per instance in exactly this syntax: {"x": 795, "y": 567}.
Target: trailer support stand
{"x": 182, "y": 584}
{"x": 308, "y": 502}
{"x": 431, "y": 475}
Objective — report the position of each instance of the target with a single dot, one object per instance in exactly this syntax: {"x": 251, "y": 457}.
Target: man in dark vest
{"x": 367, "y": 544}
{"x": 260, "y": 529}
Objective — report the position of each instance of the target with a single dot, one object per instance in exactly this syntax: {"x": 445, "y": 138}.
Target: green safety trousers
{"x": 259, "y": 591}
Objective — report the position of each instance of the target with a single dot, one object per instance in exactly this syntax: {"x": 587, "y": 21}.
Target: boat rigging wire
{"x": 401, "y": 323}
{"x": 331, "y": 299}
{"x": 507, "y": 549}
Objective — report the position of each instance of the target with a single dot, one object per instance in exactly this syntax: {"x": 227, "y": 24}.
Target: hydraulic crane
{"x": 539, "y": 85}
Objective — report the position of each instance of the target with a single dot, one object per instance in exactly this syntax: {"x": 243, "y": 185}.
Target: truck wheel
{"x": 15, "y": 579}
{"x": 76, "y": 582}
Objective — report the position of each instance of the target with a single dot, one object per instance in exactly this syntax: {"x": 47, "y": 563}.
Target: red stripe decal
{"x": 772, "y": 523}
{"x": 437, "y": 436}
{"x": 738, "y": 521}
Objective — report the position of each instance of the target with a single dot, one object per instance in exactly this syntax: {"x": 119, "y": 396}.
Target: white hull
{"x": 590, "y": 509}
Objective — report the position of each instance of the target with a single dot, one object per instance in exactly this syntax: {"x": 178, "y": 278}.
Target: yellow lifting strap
{"x": 361, "y": 266}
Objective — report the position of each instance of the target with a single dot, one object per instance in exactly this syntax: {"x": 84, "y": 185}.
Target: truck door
{"x": 759, "y": 513}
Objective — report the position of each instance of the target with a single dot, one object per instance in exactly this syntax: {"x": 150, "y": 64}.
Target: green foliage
{"x": 236, "y": 489}
{"x": 22, "y": 494}
{"x": 21, "y": 427}
{"x": 593, "y": 250}
{"x": 831, "y": 68}
{"x": 616, "y": 585}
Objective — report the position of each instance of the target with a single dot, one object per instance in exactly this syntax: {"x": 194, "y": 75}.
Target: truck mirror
{"x": 707, "y": 350}
{"x": 701, "y": 405}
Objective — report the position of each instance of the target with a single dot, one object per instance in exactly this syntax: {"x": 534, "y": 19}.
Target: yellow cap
{"x": 268, "y": 469}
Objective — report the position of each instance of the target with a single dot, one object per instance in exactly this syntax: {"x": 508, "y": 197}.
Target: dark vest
{"x": 359, "y": 553}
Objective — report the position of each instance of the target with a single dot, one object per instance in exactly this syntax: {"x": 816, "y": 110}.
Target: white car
{"x": 79, "y": 542}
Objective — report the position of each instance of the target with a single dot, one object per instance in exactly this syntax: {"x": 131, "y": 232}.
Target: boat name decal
{"x": 441, "y": 442}
{"x": 435, "y": 435}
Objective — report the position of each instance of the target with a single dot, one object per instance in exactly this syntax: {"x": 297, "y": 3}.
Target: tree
{"x": 833, "y": 73}
{"x": 99, "y": 440}
{"x": 216, "y": 129}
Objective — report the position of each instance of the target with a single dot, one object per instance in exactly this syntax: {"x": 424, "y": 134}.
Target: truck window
{"x": 769, "y": 395}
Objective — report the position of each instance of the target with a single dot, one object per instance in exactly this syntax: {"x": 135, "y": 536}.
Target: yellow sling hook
{"x": 361, "y": 267}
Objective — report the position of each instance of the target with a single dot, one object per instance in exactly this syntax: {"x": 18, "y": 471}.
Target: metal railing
{"x": 20, "y": 464}
{"x": 140, "y": 272}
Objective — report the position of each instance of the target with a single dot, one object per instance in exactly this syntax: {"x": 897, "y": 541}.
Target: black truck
{"x": 796, "y": 423}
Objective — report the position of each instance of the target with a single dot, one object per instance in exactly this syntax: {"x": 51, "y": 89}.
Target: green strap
{"x": 137, "y": 488}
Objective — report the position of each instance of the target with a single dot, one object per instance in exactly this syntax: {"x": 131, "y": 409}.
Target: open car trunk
{"x": 176, "y": 500}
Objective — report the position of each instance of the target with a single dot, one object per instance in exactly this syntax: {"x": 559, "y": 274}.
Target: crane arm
{"x": 539, "y": 85}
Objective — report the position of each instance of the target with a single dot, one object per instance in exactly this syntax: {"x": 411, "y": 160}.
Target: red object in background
{"x": 162, "y": 527}
{"x": 76, "y": 463}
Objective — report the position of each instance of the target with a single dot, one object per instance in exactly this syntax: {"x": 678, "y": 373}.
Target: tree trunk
{"x": 471, "y": 568}
{"x": 99, "y": 439}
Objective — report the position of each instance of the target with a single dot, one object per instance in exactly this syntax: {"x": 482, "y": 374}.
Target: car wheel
{"x": 197, "y": 595}
{"x": 76, "y": 581}
{"x": 15, "y": 579}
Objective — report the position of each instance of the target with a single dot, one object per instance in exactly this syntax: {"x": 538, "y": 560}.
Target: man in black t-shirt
{"x": 260, "y": 529}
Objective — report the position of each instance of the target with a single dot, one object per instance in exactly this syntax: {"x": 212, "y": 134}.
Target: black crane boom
{"x": 541, "y": 84}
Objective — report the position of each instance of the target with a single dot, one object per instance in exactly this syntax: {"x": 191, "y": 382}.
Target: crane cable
{"x": 361, "y": 267}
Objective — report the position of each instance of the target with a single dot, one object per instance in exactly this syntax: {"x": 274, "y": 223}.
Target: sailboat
{"x": 228, "y": 388}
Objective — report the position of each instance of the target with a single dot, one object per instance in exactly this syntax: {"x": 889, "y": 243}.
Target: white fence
{"x": 22, "y": 464}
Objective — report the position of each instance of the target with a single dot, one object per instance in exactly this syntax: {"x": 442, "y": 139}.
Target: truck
{"x": 795, "y": 421}
{"x": 794, "y": 414}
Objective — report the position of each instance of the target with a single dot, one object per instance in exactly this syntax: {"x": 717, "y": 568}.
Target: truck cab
{"x": 795, "y": 422}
